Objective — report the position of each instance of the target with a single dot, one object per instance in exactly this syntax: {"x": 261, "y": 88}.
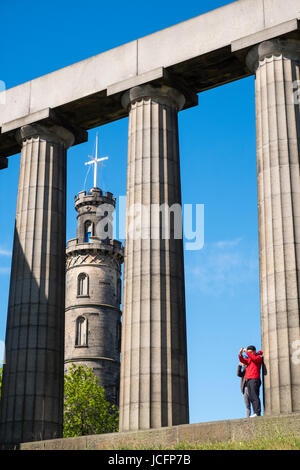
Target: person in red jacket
{"x": 253, "y": 361}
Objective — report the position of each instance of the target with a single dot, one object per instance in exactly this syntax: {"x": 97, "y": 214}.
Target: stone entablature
{"x": 90, "y": 90}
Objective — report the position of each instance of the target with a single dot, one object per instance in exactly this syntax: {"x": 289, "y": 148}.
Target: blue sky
{"x": 218, "y": 164}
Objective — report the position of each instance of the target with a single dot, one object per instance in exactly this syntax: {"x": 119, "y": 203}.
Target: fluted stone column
{"x": 154, "y": 383}
{"x": 277, "y": 67}
{"x": 32, "y": 390}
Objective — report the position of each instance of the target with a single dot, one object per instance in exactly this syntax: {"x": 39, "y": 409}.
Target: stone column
{"x": 277, "y": 67}
{"x": 32, "y": 390}
{"x": 154, "y": 384}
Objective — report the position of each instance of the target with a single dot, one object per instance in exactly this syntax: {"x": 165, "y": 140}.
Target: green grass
{"x": 276, "y": 442}
{"x": 284, "y": 443}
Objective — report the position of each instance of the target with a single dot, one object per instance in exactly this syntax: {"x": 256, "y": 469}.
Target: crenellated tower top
{"x": 92, "y": 208}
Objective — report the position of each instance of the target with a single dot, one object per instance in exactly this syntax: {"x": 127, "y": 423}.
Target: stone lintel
{"x": 125, "y": 85}
{"x": 48, "y": 118}
{"x": 157, "y": 77}
{"x": 39, "y": 117}
{"x": 3, "y": 163}
{"x": 288, "y": 29}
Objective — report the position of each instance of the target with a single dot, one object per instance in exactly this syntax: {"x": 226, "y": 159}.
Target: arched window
{"x": 83, "y": 285}
{"x": 88, "y": 231}
{"x": 81, "y": 332}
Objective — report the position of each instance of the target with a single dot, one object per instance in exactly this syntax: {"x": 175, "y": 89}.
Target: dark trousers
{"x": 253, "y": 392}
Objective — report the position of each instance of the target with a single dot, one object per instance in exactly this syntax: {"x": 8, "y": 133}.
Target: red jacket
{"x": 253, "y": 361}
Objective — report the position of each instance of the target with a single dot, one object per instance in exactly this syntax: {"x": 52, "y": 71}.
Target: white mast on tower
{"x": 95, "y": 161}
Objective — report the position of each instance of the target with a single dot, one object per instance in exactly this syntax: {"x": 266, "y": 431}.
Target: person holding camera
{"x": 253, "y": 361}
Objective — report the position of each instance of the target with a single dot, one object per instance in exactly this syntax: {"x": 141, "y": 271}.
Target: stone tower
{"x": 93, "y": 292}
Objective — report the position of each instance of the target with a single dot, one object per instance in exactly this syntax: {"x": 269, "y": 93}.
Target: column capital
{"x": 162, "y": 94}
{"x": 288, "y": 48}
{"x": 56, "y": 134}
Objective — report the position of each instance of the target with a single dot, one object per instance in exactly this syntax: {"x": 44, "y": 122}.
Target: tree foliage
{"x": 86, "y": 411}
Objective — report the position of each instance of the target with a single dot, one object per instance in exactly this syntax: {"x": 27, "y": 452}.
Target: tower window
{"x": 88, "y": 231}
{"x": 83, "y": 285}
{"x": 81, "y": 332}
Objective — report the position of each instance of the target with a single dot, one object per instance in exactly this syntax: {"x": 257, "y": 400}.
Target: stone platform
{"x": 215, "y": 431}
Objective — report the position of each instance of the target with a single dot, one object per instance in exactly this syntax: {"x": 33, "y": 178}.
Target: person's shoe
{"x": 253, "y": 416}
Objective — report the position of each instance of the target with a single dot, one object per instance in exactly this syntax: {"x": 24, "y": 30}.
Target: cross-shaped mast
{"x": 95, "y": 161}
